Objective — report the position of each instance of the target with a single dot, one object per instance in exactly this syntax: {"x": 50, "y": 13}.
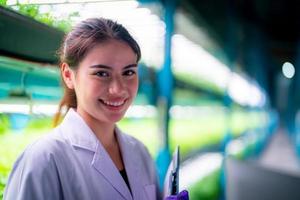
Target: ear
{"x": 67, "y": 75}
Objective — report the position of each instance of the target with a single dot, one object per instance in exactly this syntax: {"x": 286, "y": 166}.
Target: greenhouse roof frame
{"x": 18, "y": 32}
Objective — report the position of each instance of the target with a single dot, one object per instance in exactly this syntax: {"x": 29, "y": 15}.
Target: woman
{"x": 87, "y": 156}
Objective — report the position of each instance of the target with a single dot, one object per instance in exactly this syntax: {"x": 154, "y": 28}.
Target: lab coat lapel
{"x": 81, "y": 136}
{"x": 132, "y": 164}
{"x": 104, "y": 165}
{"x": 77, "y": 131}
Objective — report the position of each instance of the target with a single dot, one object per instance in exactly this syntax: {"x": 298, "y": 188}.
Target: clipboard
{"x": 174, "y": 176}
{"x": 171, "y": 185}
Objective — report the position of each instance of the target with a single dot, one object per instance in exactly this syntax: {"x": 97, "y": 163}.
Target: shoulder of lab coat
{"x": 33, "y": 167}
{"x": 37, "y": 172}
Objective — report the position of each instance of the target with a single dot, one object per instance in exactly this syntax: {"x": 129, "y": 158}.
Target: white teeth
{"x": 113, "y": 103}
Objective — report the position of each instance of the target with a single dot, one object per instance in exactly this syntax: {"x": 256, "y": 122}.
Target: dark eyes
{"x": 102, "y": 74}
{"x": 129, "y": 72}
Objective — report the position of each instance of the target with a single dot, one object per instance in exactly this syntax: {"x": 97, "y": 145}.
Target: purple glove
{"x": 183, "y": 195}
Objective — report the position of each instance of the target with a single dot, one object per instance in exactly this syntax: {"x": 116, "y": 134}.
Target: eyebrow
{"x": 108, "y": 67}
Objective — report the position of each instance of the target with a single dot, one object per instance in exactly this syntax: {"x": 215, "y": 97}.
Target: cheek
{"x": 133, "y": 85}
{"x": 97, "y": 89}
{"x": 87, "y": 87}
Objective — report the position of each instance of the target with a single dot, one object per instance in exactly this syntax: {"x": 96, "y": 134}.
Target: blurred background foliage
{"x": 192, "y": 135}
{"x": 33, "y": 11}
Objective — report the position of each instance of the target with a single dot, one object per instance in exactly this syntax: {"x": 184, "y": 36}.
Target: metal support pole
{"x": 231, "y": 51}
{"x": 297, "y": 100}
{"x": 165, "y": 85}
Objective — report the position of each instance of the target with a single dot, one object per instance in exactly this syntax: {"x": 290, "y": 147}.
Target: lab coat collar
{"x": 80, "y": 135}
{"x": 78, "y": 132}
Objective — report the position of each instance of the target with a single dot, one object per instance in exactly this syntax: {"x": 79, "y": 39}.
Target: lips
{"x": 113, "y": 104}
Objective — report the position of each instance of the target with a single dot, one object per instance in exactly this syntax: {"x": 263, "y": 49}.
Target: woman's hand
{"x": 183, "y": 195}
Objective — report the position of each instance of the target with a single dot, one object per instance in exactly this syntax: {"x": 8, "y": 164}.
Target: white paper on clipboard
{"x": 171, "y": 183}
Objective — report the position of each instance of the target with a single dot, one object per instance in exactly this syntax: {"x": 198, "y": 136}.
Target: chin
{"x": 115, "y": 119}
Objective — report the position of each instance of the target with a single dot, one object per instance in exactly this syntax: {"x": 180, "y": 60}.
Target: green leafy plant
{"x": 33, "y": 11}
{"x": 3, "y": 2}
{"x": 4, "y": 123}
{"x": 207, "y": 188}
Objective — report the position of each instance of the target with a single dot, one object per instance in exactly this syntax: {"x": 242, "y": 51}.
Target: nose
{"x": 116, "y": 87}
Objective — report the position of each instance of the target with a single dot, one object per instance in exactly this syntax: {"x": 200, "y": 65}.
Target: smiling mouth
{"x": 114, "y": 104}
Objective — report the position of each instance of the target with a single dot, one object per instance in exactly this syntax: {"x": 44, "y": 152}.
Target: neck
{"x": 103, "y": 131}
{"x": 105, "y": 134}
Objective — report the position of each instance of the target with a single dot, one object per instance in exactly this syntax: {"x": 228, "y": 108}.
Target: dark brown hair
{"x": 80, "y": 40}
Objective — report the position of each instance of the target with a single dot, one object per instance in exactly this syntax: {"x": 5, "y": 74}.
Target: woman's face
{"x": 106, "y": 82}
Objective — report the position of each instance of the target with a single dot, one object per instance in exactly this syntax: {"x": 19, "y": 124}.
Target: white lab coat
{"x": 70, "y": 163}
